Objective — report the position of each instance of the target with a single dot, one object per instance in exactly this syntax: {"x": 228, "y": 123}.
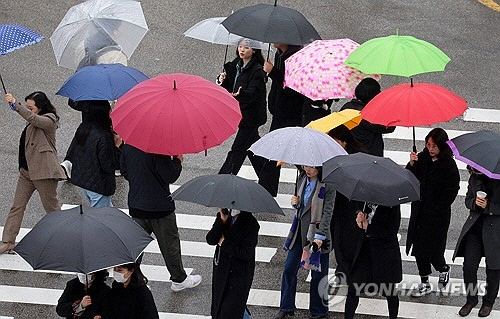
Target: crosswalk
{"x": 267, "y": 254}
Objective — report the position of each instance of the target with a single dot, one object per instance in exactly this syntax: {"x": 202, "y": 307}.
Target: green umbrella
{"x": 397, "y": 55}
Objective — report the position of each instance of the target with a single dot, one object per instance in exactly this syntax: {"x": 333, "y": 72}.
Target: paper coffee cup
{"x": 481, "y": 195}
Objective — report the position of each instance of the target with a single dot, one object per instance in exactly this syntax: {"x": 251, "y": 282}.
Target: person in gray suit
{"x": 308, "y": 243}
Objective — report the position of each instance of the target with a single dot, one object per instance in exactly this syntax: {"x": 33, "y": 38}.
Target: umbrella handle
{"x": 414, "y": 146}
{"x": 266, "y": 77}
{"x": 12, "y": 106}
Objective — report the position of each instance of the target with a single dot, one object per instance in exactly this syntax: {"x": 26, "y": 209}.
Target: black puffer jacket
{"x": 252, "y": 95}
{"x": 284, "y": 103}
{"x": 95, "y": 162}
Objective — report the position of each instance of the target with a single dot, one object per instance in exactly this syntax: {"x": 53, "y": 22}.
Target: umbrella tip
{"x": 397, "y": 32}
{"x": 275, "y": 3}
{"x": 175, "y": 85}
{"x": 411, "y": 82}
{"x": 81, "y": 209}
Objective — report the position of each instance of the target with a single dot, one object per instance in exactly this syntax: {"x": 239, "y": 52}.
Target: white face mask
{"x": 119, "y": 277}
{"x": 234, "y": 212}
{"x": 87, "y": 281}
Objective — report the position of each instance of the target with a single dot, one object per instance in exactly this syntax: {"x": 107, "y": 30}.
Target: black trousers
{"x": 424, "y": 264}
{"x": 270, "y": 173}
{"x": 245, "y": 137}
{"x": 474, "y": 249}
{"x": 352, "y": 300}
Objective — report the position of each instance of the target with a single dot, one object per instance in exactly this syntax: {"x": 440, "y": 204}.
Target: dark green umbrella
{"x": 373, "y": 179}
{"x": 228, "y": 191}
{"x": 84, "y": 240}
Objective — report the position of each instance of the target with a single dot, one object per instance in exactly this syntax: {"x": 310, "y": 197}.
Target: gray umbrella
{"x": 84, "y": 240}
{"x": 373, "y": 179}
{"x": 228, "y": 191}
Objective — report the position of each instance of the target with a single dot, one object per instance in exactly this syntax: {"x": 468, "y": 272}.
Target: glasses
{"x": 431, "y": 146}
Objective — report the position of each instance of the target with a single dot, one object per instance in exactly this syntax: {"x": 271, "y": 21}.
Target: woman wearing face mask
{"x": 308, "y": 244}
{"x": 244, "y": 79}
{"x": 39, "y": 167}
{"x": 130, "y": 297}
{"x": 236, "y": 235}
{"x": 86, "y": 296}
{"x": 430, "y": 217}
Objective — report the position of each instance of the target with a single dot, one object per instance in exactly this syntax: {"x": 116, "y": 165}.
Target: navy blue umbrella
{"x": 101, "y": 82}
{"x": 13, "y": 37}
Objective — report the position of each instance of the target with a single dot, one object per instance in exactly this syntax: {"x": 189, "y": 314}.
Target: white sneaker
{"x": 67, "y": 165}
{"x": 191, "y": 281}
{"x": 421, "y": 290}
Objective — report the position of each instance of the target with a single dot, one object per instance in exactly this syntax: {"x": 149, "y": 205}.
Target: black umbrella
{"x": 83, "y": 240}
{"x": 271, "y": 24}
{"x": 481, "y": 150}
{"x": 228, "y": 191}
{"x": 371, "y": 179}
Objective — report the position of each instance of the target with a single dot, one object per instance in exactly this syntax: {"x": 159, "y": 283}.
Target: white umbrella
{"x": 97, "y": 26}
{"x": 211, "y": 30}
{"x": 297, "y": 145}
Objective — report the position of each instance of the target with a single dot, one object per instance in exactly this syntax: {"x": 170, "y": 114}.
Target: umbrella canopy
{"x": 397, "y": 55}
{"x": 348, "y": 117}
{"x": 176, "y": 114}
{"x": 318, "y": 71}
{"x": 367, "y": 178}
{"x": 271, "y": 24}
{"x": 101, "y": 82}
{"x": 412, "y": 104}
{"x": 211, "y": 30}
{"x": 14, "y": 36}
{"x": 96, "y": 24}
{"x": 297, "y": 145}
{"x": 83, "y": 240}
{"x": 480, "y": 150}
{"x": 228, "y": 191}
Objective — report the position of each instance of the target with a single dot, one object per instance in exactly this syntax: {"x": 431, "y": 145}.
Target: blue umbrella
{"x": 13, "y": 37}
{"x": 101, "y": 82}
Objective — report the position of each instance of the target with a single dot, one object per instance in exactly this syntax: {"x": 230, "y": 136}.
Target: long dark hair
{"x": 137, "y": 277}
{"x": 439, "y": 137}
{"x": 101, "y": 275}
{"x": 367, "y": 89}
{"x": 98, "y": 115}
{"x": 257, "y": 53}
{"x": 42, "y": 102}
{"x": 343, "y": 134}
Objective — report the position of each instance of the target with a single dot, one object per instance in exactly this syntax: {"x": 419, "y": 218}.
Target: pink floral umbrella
{"x": 318, "y": 71}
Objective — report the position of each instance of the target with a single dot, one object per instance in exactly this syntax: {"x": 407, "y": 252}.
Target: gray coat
{"x": 491, "y": 219}
{"x": 323, "y": 228}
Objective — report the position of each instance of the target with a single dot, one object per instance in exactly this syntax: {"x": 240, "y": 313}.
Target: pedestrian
{"x": 367, "y": 134}
{"x": 244, "y": 79}
{"x": 285, "y": 106}
{"x": 151, "y": 205}
{"x": 439, "y": 180}
{"x": 95, "y": 155}
{"x": 235, "y": 235}
{"x": 377, "y": 265}
{"x": 39, "y": 168}
{"x": 130, "y": 295}
{"x": 308, "y": 244}
{"x": 480, "y": 237}
{"x": 343, "y": 225}
{"x": 85, "y": 297}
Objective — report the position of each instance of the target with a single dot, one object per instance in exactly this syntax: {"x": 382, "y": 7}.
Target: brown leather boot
{"x": 466, "y": 309}
{"x": 485, "y": 311}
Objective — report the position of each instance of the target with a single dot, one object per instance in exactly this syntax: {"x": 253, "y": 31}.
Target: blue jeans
{"x": 246, "y": 315}
{"x": 318, "y": 306}
{"x": 97, "y": 200}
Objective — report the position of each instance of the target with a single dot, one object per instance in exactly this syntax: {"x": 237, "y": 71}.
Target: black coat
{"x": 284, "y": 103}
{"x": 378, "y": 258}
{"x": 95, "y": 162}
{"x": 234, "y": 264}
{"x": 252, "y": 95}
{"x": 99, "y": 293}
{"x": 490, "y": 219}
{"x": 430, "y": 216}
{"x": 367, "y": 134}
{"x": 149, "y": 177}
{"x": 131, "y": 303}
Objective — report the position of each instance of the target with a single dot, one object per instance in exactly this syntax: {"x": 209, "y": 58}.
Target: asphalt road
{"x": 464, "y": 29}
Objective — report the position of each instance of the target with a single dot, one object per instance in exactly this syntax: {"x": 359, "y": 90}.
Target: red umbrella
{"x": 176, "y": 114}
{"x": 412, "y": 104}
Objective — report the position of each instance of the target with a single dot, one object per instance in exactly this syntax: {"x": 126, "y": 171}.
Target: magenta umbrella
{"x": 174, "y": 114}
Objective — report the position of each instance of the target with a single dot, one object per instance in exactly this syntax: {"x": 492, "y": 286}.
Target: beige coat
{"x": 40, "y": 145}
